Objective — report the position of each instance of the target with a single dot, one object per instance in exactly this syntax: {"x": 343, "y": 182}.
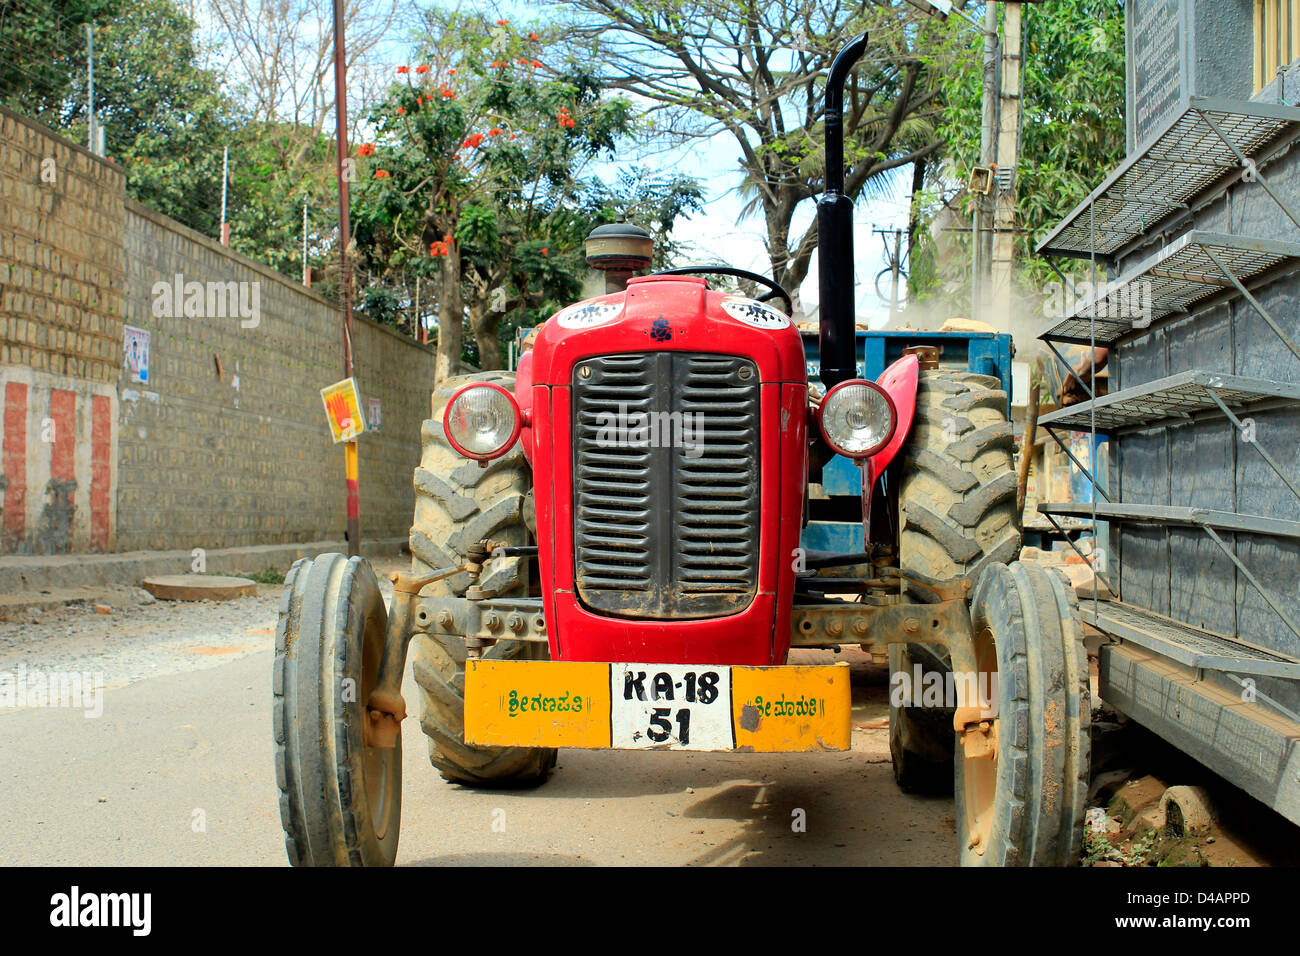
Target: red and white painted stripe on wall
{"x": 58, "y": 464}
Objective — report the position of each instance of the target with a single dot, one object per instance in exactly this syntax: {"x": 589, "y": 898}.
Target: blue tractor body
{"x": 986, "y": 353}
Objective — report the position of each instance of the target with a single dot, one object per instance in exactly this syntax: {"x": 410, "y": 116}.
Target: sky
{"x": 717, "y": 233}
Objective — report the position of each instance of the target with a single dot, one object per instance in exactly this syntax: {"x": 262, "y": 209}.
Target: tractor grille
{"x": 666, "y": 506}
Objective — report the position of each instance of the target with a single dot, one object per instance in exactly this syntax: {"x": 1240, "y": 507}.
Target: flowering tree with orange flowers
{"x": 478, "y": 180}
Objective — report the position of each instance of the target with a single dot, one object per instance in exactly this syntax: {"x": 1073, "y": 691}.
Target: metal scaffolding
{"x": 1209, "y": 144}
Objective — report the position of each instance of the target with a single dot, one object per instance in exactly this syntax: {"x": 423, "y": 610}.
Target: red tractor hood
{"x": 661, "y": 313}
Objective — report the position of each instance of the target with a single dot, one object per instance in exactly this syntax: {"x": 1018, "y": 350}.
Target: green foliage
{"x": 1132, "y": 852}
{"x": 1074, "y": 89}
{"x": 480, "y": 160}
{"x": 43, "y": 55}
{"x": 274, "y": 170}
{"x": 167, "y": 119}
{"x": 164, "y": 115}
{"x": 271, "y": 575}
{"x": 515, "y": 205}
{"x": 1073, "y": 124}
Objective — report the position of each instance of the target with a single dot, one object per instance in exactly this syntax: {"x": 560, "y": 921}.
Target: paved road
{"x": 178, "y": 771}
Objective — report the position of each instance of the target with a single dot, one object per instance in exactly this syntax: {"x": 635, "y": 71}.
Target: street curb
{"x": 33, "y": 573}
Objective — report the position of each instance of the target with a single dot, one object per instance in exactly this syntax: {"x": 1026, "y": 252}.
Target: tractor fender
{"x": 899, "y": 382}
{"x": 524, "y": 397}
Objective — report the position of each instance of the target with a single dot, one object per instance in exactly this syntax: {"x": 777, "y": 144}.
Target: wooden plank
{"x": 1245, "y": 743}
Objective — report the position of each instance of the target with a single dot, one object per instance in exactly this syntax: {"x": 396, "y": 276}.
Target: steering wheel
{"x": 777, "y": 291}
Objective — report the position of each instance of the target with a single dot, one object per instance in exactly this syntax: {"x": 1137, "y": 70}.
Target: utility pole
{"x": 419, "y": 332}
{"x": 983, "y": 213}
{"x": 895, "y": 265}
{"x": 306, "y": 272}
{"x": 345, "y": 273}
{"x": 1010, "y": 105}
{"x": 225, "y": 179}
{"x": 895, "y": 261}
{"x": 90, "y": 87}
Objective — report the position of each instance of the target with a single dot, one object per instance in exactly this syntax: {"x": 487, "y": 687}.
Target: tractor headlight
{"x": 482, "y": 421}
{"x": 857, "y": 418}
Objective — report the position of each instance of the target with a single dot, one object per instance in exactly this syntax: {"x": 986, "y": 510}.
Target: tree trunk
{"x": 777, "y": 221}
{"x": 486, "y": 325}
{"x": 451, "y": 319}
{"x": 914, "y": 213}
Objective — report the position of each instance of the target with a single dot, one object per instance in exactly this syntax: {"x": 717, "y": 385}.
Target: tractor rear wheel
{"x": 920, "y": 738}
{"x": 1021, "y": 777}
{"x": 457, "y": 505}
{"x": 340, "y": 800}
{"x": 957, "y": 513}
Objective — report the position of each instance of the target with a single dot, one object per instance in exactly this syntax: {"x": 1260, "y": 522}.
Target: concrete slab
{"x": 199, "y": 587}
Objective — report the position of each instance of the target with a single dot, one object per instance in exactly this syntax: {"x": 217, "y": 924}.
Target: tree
{"x": 1072, "y": 129}
{"x": 260, "y": 84}
{"x": 43, "y": 55}
{"x": 164, "y": 114}
{"x": 269, "y": 193}
{"x": 162, "y": 110}
{"x": 279, "y": 57}
{"x": 474, "y": 182}
{"x": 280, "y": 54}
{"x": 757, "y": 71}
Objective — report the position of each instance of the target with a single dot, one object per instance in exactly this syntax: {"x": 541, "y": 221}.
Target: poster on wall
{"x": 376, "y": 416}
{"x": 343, "y": 408}
{"x": 135, "y": 347}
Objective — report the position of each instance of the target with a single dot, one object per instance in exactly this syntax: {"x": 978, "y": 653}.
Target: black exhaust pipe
{"x": 835, "y": 234}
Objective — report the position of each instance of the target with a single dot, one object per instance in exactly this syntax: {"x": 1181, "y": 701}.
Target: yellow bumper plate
{"x": 656, "y": 706}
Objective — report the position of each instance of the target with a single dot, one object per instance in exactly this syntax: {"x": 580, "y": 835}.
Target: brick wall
{"x": 225, "y": 442}
{"x": 61, "y": 257}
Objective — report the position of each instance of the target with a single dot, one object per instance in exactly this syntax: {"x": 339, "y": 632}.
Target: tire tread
{"x": 457, "y": 504}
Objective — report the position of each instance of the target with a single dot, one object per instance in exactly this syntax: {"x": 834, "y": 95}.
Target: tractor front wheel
{"x": 1021, "y": 776}
{"x": 340, "y": 800}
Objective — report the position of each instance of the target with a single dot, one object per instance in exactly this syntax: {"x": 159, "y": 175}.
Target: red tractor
{"x": 606, "y": 553}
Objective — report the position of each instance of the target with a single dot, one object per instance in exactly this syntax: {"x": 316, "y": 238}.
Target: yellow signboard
{"x": 530, "y": 707}
{"x": 657, "y": 706}
{"x": 343, "y": 409}
{"x": 791, "y": 708}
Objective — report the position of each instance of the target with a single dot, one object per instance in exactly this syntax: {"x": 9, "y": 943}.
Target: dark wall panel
{"x": 1144, "y": 570}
